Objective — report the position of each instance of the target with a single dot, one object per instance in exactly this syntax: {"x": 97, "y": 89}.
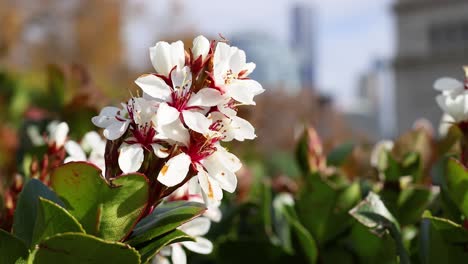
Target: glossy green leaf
{"x": 412, "y": 202}
{"x": 165, "y": 218}
{"x": 457, "y": 184}
{"x": 442, "y": 241}
{"x": 372, "y": 213}
{"x": 306, "y": 241}
{"x": 12, "y": 249}
{"x": 339, "y": 155}
{"x": 77, "y": 248}
{"x": 149, "y": 249}
{"x": 107, "y": 210}
{"x": 27, "y": 207}
{"x": 323, "y": 207}
{"x": 53, "y": 219}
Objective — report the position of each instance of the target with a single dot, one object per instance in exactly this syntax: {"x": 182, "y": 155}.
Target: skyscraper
{"x": 302, "y": 42}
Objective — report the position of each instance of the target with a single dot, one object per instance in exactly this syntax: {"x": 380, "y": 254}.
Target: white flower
{"x": 454, "y": 97}
{"x": 93, "y": 144}
{"x": 215, "y": 170}
{"x": 165, "y": 57}
{"x": 229, "y": 128}
{"x": 230, "y": 72}
{"x": 58, "y": 133}
{"x": 178, "y": 102}
{"x": 196, "y": 229}
{"x": 200, "y": 48}
{"x": 114, "y": 120}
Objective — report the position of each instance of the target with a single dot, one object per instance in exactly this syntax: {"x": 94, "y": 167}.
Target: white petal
{"x": 248, "y": 68}
{"x": 174, "y": 131}
{"x": 196, "y": 121}
{"x": 229, "y": 160}
{"x": 225, "y": 109}
{"x": 158, "y": 259}
{"x": 91, "y": 140}
{"x": 222, "y": 54}
{"x": 178, "y": 254}
{"x": 175, "y": 170}
{"x": 209, "y": 186}
{"x": 178, "y": 54}
{"x": 182, "y": 79}
{"x": 237, "y": 61}
{"x": 193, "y": 186}
{"x": 105, "y": 117}
{"x": 165, "y": 56}
{"x": 160, "y": 151}
{"x": 75, "y": 151}
{"x": 244, "y": 90}
{"x": 201, "y": 47}
{"x": 196, "y": 227}
{"x": 213, "y": 213}
{"x": 143, "y": 110}
{"x": 154, "y": 86}
{"x": 216, "y": 169}
{"x": 448, "y": 84}
{"x": 130, "y": 157}
{"x": 200, "y": 246}
{"x": 206, "y": 97}
{"x": 243, "y": 129}
{"x": 166, "y": 114}
{"x": 59, "y": 135}
{"x": 454, "y": 105}
{"x": 115, "y": 130}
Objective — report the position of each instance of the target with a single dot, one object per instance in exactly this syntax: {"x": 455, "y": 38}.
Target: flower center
{"x": 200, "y": 147}
{"x": 229, "y": 77}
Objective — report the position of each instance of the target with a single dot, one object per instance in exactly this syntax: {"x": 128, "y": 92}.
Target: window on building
{"x": 448, "y": 37}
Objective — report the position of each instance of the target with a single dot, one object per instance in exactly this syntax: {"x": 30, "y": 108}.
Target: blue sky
{"x": 350, "y": 33}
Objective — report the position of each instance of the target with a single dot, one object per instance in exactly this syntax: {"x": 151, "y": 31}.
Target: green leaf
{"x": 451, "y": 231}
{"x": 164, "y": 218}
{"x": 12, "y": 249}
{"x": 53, "y": 219}
{"x": 149, "y": 249}
{"x": 107, "y": 210}
{"x": 77, "y": 248}
{"x": 372, "y": 213}
{"x": 27, "y": 207}
{"x": 442, "y": 241}
{"x": 315, "y": 204}
{"x": 412, "y": 202}
{"x": 307, "y": 242}
{"x": 323, "y": 207}
{"x": 339, "y": 155}
{"x": 457, "y": 184}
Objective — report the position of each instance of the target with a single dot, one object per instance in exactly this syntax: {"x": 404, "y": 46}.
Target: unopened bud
{"x": 201, "y": 47}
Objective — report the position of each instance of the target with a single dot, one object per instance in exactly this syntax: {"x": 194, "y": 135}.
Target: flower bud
{"x": 201, "y": 47}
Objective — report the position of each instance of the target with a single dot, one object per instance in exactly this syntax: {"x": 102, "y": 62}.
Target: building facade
{"x": 432, "y": 42}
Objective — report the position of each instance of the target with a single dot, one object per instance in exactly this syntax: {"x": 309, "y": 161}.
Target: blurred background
{"x": 354, "y": 72}
{"x": 359, "y": 69}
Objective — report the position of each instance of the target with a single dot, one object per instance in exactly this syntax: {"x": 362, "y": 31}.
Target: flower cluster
{"x": 188, "y": 107}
